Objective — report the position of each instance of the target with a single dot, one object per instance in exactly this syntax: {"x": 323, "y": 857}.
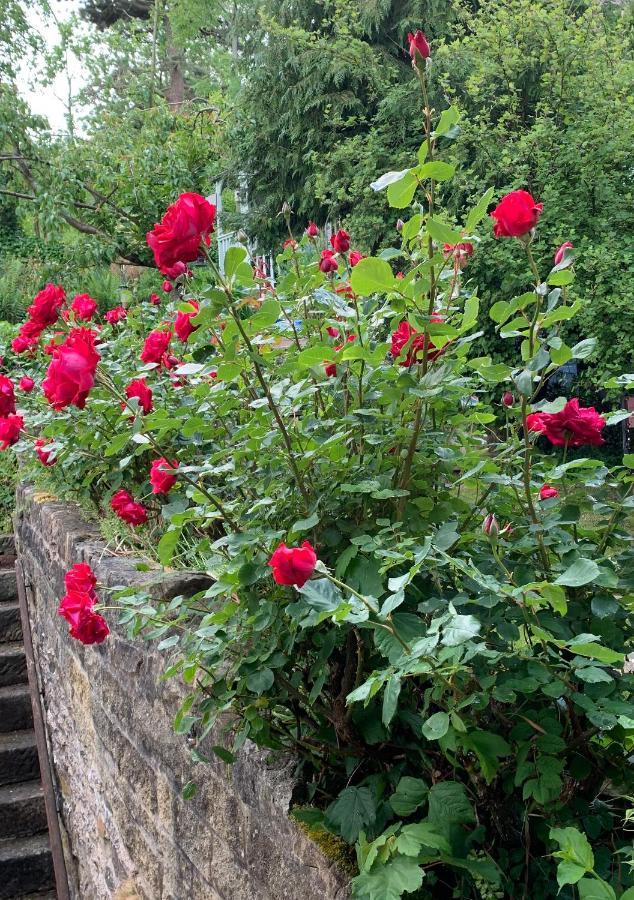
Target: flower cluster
{"x": 77, "y": 606}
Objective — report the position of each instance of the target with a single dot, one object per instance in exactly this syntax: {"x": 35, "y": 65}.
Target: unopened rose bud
{"x": 508, "y": 399}
{"x": 490, "y": 526}
{"x": 418, "y": 45}
{"x": 547, "y": 492}
{"x": 286, "y": 209}
{"x": 242, "y": 236}
{"x": 561, "y": 252}
{"x": 167, "y": 286}
{"x": 399, "y": 225}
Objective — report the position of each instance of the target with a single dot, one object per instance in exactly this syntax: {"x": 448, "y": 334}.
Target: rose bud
{"x": 154, "y": 299}
{"x": 490, "y": 526}
{"x": 547, "y": 492}
{"x": 399, "y": 225}
{"x": 167, "y": 286}
{"x": 559, "y": 255}
{"x": 418, "y": 44}
{"x": 312, "y": 230}
{"x": 328, "y": 263}
{"x": 508, "y": 399}
{"x": 340, "y": 241}
{"x": 26, "y": 384}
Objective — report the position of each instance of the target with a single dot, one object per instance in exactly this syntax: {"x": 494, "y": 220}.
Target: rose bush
{"x": 434, "y": 617}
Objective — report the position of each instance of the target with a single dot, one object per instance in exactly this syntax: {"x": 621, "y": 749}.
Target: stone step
{"x": 10, "y": 623}
{"x": 18, "y": 757}
{"x": 22, "y": 810}
{"x": 12, "y": 664}
{"x": 8, "y": 582}
{"x": 26, "y": 866}
{"x": 16, "y": 713}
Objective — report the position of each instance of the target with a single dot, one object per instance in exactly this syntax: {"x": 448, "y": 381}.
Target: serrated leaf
{"x": 371, "y": 276}
{"x": 581, "y": 572}
{"x": 390, "y": 699}
{"x": 442, "y": 232}
{"x": 595, "y": 889}
{"x": 437, "y": 170}
{"x": 459, "y": 629}
{"x": 436, "y": 726}
{"x": 353, "y": 810}
{"x": 449, "y": 803}
{"x": 410, "y": 793}
{"x": 390, "y": 881}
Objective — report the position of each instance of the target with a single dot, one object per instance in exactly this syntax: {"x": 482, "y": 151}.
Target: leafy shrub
{"x": 446, "y": 651}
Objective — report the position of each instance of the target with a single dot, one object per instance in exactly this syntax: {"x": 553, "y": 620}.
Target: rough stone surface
{"x": 120, "y": 768}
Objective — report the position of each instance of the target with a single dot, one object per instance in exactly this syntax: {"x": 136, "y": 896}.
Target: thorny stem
{"x": 390, "y": 628}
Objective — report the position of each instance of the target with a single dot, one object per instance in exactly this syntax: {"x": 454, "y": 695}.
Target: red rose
{"x": 45, "y": 307}
{"x": 418, "y": 44}
{"x": 7, "y": 396}
{"x": 80, "y": 578}
{"x": 573, "y": 426}
{"x": 177, "y": 238}
{"x": 162, "y": 476}
{"x": 10, "y": 428}
{"x": 547, "y": 492}
{"x": 293, "y": 565}
{"x": 86, "y": 625}
{"x": 167, "y": 286}
{"x": 330, "y": 369}
{"x": 312, "y": 230}
{"x": 508, "y": 399}
{"x": 90, "y": 628}
{"x": 28, "y": 336}
{"x": 340, "y": 241}
{"x": 71, "y": 374}
{"x": 139, "y": 389}
{"x": 559, "y": 255}
{"x": 53, "y": 344}
{"x": 516, "y": 214}
{"x": 26, "y": 384}
{"x": 328, "y": 263}
{"x": 46, "y": 457}
{"x": 183, "y": 324}
{"x": 116, "y": 314}
{"x": 84, "y": 307}
{"x": 126, "y": 508}
{"x": 155, "y": 346}
{"x": 289, "y": 242}
{"x": 400, "y": 275}
{"x": 155, "y": 299}
{"x": 333, "y": 332}
{"x": 402, "y": 335}
{"x": 355, "y": 257}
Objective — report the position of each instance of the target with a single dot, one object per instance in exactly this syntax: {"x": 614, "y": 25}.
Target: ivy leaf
{"x": 353, "y": 810}
{"x": 390, "y": 881}
{"x": 581, "y": 572}
{"x": 410, "y": 793}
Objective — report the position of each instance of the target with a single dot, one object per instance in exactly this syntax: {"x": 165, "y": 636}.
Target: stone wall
{"x": 120, "y": 768}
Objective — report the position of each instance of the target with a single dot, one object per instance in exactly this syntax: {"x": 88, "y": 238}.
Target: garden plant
{"x": 430, "y": 614}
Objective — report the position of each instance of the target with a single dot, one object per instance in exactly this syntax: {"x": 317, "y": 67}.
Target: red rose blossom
{"x": 162, "y": 476}
{"x": 10, "y": 428}
{"x": 80, "y": 578}
{"x": 178, "y": 236}
{"x": 418, "y": 44}
{"x": 84, "y": 307}
{"x": 26, "y": 384}
{"x": 559, "y": 255}
{"x": 128, "y": 509}
{"x": 516, "y": 214}
{"x": 547, "y": 492}
{"x": 115, "y": 315}
{"x": 71, "y": 374}
{"x": 155, "y": 346}
{"x": 340, "y": 242}
{"x": 355, "y": 257}
{"x": 167, "y": 286}
{"x": 45, "y": 307}
{"x": 402, "y": 335}
{"x": 332, "y": 331}
{"x": 90, "y": 628}
{"x": 183, "y": 324}
{"x": 330, "y": 369}
{"x": 312, "y": 230}
{"x": 46, "y": 457}
{"x": 574, "y": 426}
{"x": 508, "y": 399}
{"x": 154, "y": 299}
{"x": 7, "y": 396}
{"x": 328, "y": 263}
{"x": 139, "y": 389}
{"x": 28, "y": 336}
{"x": 293, "y": 565}
{"x": 289, "y": 242}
